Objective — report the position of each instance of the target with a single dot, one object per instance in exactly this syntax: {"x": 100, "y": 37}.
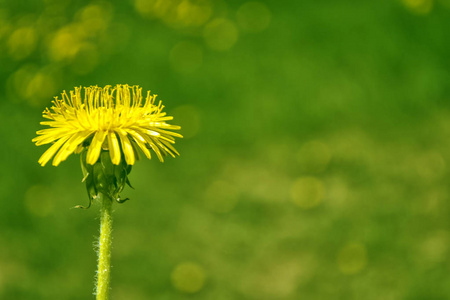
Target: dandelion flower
{"x": 116, "y": 119}
{"x": 109, "y": 127}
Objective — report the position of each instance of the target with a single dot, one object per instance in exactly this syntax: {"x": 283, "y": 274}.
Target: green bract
{"x": 104, "y": 177}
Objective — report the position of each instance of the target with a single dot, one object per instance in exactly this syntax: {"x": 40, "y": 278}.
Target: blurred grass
{"x": 315, "y": 163}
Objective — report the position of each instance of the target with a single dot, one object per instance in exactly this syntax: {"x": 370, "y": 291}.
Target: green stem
{"x": 104, "y": 251}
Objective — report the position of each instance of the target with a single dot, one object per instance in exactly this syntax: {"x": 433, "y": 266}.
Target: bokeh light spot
{"x": 95, "y": 18}
{"x": 65, "y": 44}
{"x": 144, "y": 7}
{"x": 186, "y": 57}
{"x": 20, "y": 79}
{"x": 220, "y": 34}
{"x": 188, "y": 277}
{"x": 276, "y": 279}
{"x": 221, "y": 196}
{"x": 430, "y": 165}
{"x": 352, "y": 258}
{"x": 153, "y": 8}
{"x": 314, "y": 157}
{"x": 338, "y": 194}
{"x": 188, "y": 117}
{"x": 435, "y": 247}
{"x": 22, "y": 42}
{"x": 307, "y": 192}
{"x": 163, "y": 7}
{"x": 38, "y": 201}
{"x": 176, "y": 13}
{"x": 194, "y": 13}
{"x": 253, "y": 16}
{"x": 41, "y": 87}
{"x": 32, "y": 84}
{"x": 419, "y": 6}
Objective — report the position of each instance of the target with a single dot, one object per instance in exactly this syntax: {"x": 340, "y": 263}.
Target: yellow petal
{"x": 137, "y": 154}
{"x": 162, "y": 148}
{"x": 95, "y": 147}
{"x": 167, "y": 138}
{"x": 50, "y": 131}
{"x": 70, "y": 146}
{"x": 49, "y": 138}
{"x": 83, "y": 119}
{"x": 140, "y": 141}
{"x": 160, "y": 131}
{"x": 52, "y": 150}
{"x": 154, "y": 147}
{"x": 168, "y": 145}
{"x": 127, "y": 148}
{"x": 114, "y": 148}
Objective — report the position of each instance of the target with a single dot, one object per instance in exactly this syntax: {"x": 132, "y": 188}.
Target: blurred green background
{"x": 315, "y": 163}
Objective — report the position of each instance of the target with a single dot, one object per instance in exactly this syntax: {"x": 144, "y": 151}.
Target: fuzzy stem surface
{"x": 104, "y": 249}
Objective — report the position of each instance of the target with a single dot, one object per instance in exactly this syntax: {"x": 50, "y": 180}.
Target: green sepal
{"x": 122, "y": 200}
{"x": 129, "y": 184}
{"x": 107, "y": 164}
{"x": 104, "y": 177}
{"x": 120, "y": 176}
{"x": 88, "y": 179}
{"x": 100, "y": 180}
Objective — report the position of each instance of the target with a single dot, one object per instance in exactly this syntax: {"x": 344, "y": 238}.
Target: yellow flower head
{"x": 115, "y": 119}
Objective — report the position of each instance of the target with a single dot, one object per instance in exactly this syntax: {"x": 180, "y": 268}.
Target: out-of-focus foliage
{"x": 315, "y": 163}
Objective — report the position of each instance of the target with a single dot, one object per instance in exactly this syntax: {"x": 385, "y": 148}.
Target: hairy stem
{"x": 104, "y": 251}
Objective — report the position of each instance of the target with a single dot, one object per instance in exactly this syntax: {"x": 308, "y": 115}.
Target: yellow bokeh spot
{"x": 221, "y": 196}
{"x": 419, "y": 6}
{"x": 186, "y": 57}
{"x": 176, "y": 13}
{"x": 162, "y": 7}
{"x": 38, "y": 201}
{"x": 41, "y": 86}
{"x": 352, "y": 258}
{"x": 307, "y": 192}
{"x": 431, "y": 165}
{"x": 188, "y": 117}
{"x": 435, "y": 247}
{"x": 277, "y": 278}
{"x": 95, "y": 18}
{"x": 154, "y": 8}
{"x": 188, "y": 277}
{"x": 253, "y": 16}
{"x": 144, "y": 7}
{"x": 314, "y": 157}
{"x": 20, "y": 79}
{"x": 338, "y": 194}
{"x": 32, "y": 84}
{"x": 65, "y": 44}
{"x": 194, "y": 14}
{"x": 220, "y": 34}
{"x": 22, "y": 42}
